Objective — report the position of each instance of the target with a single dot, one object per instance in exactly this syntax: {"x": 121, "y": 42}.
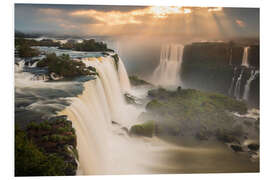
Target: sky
{"x": 134, "y": 20}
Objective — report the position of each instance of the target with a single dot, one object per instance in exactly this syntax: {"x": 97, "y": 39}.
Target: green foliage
{"x": 145, "y": 129}
{"x": 47, "y": 141}
{"x": 190, "y": 106}
{"x": 86, "y": 45}
{"x": 64, "y": 66}
{"x": 31, "y": 161}
{"x": 25, "y": 51}
{"x": 31, "y": 42}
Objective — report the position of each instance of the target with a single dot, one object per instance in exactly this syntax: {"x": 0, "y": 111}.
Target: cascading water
{"x": 99, "y": 115}
{"x": 245, "y": 57}
{"x": 123, "y": 76}
{"x": 237, "y": 90}
{"x": 101, "y": 119}
{"x": 253, "y": 75}
{"x": 168, "y": 71}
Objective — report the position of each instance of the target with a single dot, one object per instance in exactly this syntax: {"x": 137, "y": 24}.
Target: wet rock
{"x": 253, "y": 147}
{"x": 236, "y": 148}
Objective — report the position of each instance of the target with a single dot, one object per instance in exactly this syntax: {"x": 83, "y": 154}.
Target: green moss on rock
{"x": 146, "y": 129}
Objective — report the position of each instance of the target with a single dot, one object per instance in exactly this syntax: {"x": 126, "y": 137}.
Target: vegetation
{"x": 42, "y": 149}
{"x": 25, "y": 51}
{"x": 190, "y": 107}
{"x": 135, "y": 81}
{"x": 86, "y": 45}
{"x": 64, "y": 66}
{"x": 146, "y": 129}
{"x": 32, "y": 42}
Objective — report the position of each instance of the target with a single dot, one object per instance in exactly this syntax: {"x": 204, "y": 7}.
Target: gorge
{"x": 103, "y": 119}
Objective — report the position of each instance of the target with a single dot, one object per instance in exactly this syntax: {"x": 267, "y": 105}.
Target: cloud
{"x": 129, "y": 20}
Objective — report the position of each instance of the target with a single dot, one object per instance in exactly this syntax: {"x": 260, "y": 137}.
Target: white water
{"x": 245, "y": 57}
{"x": 123, "y": 76}
{"x": 247, "y": 86}
{"x": 168, "y": 71}
{"x": 237, "y": 90}
{"x": 34, "y": 64}
{"x": 104, "y": 147}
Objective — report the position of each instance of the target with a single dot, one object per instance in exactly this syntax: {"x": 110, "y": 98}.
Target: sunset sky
{"x": 129, "y": 20}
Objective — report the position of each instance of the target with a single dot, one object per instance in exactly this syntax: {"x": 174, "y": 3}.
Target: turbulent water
{"x": 101, "y": 118}
{"x": 168, "y": 71}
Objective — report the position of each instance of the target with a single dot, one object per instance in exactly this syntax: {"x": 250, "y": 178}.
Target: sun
{"x": 164, "y": 11}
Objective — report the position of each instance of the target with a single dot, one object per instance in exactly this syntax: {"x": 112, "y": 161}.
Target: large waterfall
{"x": 245, "y": 57}
{"x": 101, "y": 117}
{"x": 168, "y": 71}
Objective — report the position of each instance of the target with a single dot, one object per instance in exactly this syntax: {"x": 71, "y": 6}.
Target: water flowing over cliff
{"x": 253, "y": 75}
{"x": 245, "y": 57}
{"x": 168, "y": 71}
{"x": 101, "y": 118}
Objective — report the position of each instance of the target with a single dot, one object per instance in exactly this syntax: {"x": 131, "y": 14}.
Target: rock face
{"x": 211, "y": 66}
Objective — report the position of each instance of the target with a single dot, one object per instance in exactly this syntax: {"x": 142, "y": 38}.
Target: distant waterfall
{"x": 245, "y": 57}
{"x": 248, "y": 83}
{"x": 237, "y": 90}
{"x": 168, "y": 71}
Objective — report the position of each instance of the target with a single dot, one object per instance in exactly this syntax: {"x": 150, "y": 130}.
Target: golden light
{"x": 215, "y": 9}
{"x": 165, "y": 11}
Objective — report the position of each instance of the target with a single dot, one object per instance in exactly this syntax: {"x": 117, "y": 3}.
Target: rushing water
{"x": 253, "y": 75}
{"x": 168, "y": 71}
{"x": 101, "y": 118}
{"x": 237, "y": 90}
{"x": 245, "y": 57}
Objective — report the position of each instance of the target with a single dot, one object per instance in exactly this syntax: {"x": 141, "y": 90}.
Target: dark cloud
{"x": 104, "y": 8}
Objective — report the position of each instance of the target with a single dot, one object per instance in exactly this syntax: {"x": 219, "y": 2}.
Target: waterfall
{"x": 19, "y": 66}
{"x": 123, "y": 76}
{"x": 110, "y": 80}
{"x": 98, "y": 116}
{"x": 247, "y": 86}
{"x": 237, "y": 90}
{"x": 245, "y": 57}
{"x": 168, "y": 71}
{"x": 34, "y": 64}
